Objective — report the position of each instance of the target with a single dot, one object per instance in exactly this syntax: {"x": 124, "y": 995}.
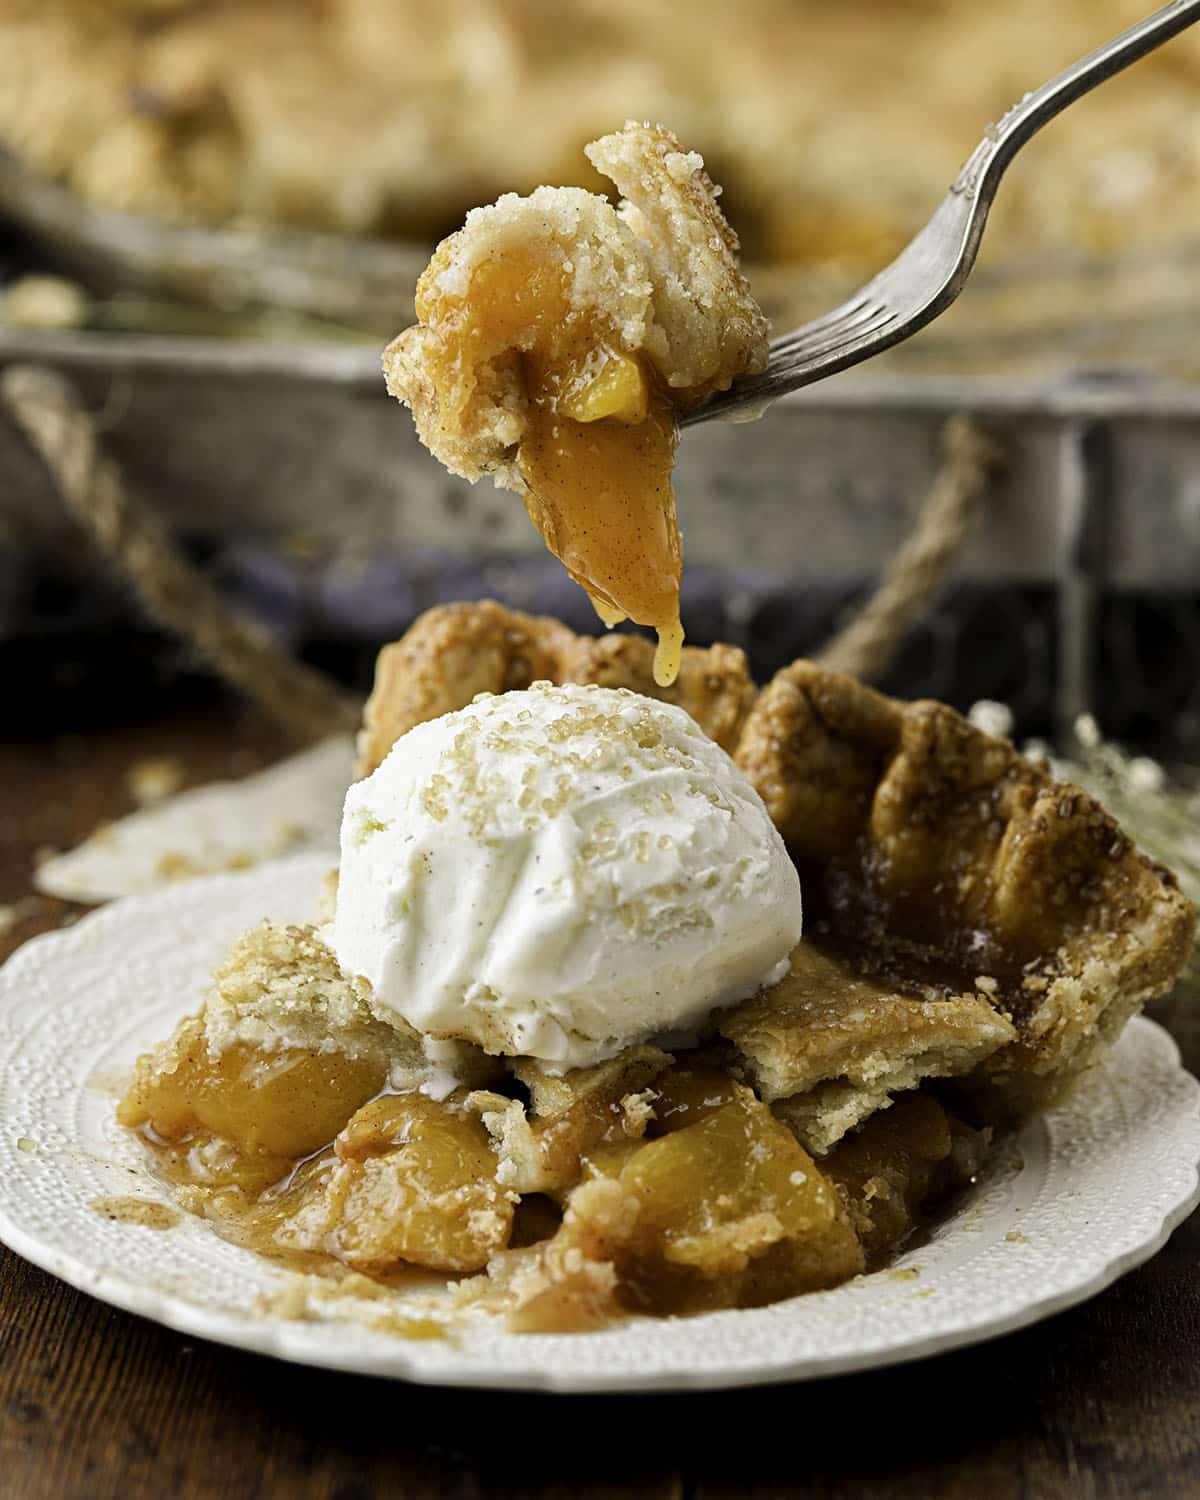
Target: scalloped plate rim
{"x": 260, "y": 1336}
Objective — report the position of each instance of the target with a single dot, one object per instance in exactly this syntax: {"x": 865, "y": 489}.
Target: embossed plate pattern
{"x": 1081, "y": 1196}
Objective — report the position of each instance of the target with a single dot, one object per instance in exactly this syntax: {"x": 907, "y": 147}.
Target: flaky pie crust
{"x": 966, "y": 915}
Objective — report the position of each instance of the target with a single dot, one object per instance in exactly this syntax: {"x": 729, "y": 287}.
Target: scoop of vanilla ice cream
{"x": 560, "y": 872}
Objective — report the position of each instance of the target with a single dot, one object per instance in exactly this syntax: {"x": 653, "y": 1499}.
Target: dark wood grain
{"x": 1102, "y": 1401}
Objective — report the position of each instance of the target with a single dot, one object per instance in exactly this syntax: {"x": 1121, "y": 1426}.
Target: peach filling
{"x": 406, "y": 1180}
{"x": 597, "y": 457}
{"x": 701, "y": 1199}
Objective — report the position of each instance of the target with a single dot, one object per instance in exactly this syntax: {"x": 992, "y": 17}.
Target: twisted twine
{"x": 866, "y": 645}
{"x": 304, "y": 702}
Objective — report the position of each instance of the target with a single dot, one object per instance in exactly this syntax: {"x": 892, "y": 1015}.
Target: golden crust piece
{"x": 713, "y": 685}
{"x": 520, "y": 273}
{"x": 570, "y": 1283}
{"x": 445, "y": 658}
{"x": 281, "y": 988}
{"x": 951, "y": 857}
{"x": 828, "y": 1023}
{"x": 541, "y": 1149}
{"x": 457, "y": 650}
{"x": 705, "y": 326}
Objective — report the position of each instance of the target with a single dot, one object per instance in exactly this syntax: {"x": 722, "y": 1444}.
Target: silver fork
{"x": 929, "y": 273}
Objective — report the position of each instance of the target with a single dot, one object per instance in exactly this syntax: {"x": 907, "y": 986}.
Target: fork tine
{"x": 843, "y": 338}
{"x": 815, "y": 335}
{"x": 928, "y": 274}
{"x": 807, "y": 330}
{"x": 794, "y": 362}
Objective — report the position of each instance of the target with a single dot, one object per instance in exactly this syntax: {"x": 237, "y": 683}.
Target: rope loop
{"x": 306, "y": 703}
{"x": 865, "y": 646}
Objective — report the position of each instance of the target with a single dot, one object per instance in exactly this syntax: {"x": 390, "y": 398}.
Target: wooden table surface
{"x": 1103, "y": 1400}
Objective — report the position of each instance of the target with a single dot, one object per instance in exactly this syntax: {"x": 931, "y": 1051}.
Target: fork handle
{"x": 986, "y": 164}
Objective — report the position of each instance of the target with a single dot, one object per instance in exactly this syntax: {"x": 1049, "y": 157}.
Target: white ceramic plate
{"x": 294, "y": 806}
{"x": 1082, "y": 1196}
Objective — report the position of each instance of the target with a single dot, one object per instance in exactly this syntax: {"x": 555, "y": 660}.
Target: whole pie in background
{"x": 349, "y": 114}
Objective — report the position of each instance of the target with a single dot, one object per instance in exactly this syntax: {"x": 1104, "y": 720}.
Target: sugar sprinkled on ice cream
{"x": 559, "y": 872}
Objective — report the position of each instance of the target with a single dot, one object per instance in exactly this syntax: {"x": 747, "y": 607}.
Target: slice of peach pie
{"x": 557, "y": 338}
{"x": 560, "y": 1042}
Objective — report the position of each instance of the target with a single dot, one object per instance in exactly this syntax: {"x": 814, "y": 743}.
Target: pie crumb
{"x": 154, "y": 779}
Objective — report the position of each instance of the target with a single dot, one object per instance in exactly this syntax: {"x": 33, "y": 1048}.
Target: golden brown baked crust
{"x": 457, "y": 650}
{"x": 705, "y": 326}
{"x": 829, "y": 1022}
{"x": 445, "y": 658}
{"x": 713, "y": 685}
{"x": 943, "y": 854}
{"x": 934, "y": 857}
{"x": 281, "y": 988}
